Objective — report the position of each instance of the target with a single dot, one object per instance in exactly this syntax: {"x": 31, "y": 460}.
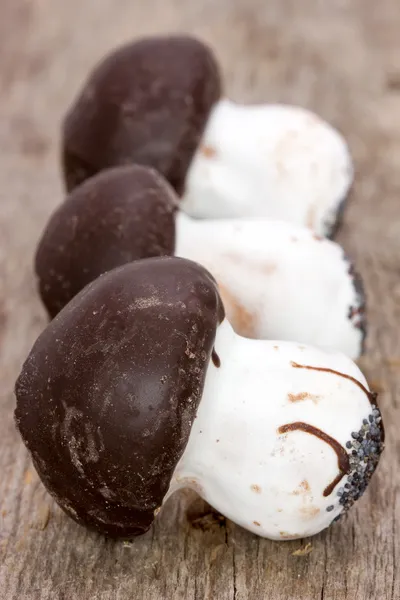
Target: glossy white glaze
{"x": 277, "y": 280}
{"x": 274, "y": 161}
{"x": 271, "y": 483}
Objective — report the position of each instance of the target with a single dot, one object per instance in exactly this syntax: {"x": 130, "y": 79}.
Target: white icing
{"x": 273, "y": 161}
{"x": 291, "y": 285}
{"x": 267, "y": 482}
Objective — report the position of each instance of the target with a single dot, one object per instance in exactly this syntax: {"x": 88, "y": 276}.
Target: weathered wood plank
{"x": 339, "y": 58}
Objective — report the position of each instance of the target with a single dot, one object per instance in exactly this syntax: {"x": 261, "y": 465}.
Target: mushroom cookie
{"x": 157, "y": 102}
{"x": 140, "y": 386}
{"x": 277, "y": 280}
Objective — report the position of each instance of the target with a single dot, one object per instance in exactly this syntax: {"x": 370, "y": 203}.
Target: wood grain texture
{"x": 340, "y": 58}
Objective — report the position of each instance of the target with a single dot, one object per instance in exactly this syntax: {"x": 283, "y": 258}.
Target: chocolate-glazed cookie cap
{"x": 120, "y": 215}
{"x": 146, "y": 103}
{"x": 109, "y": 392}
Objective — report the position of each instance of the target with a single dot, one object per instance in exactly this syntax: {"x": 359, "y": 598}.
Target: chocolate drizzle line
{"x": 372, "y": 396}
{"x": 215, "y": 358}
{"x": 343, "y": 459}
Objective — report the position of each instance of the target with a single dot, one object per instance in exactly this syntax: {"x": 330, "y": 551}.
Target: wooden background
{"x": 340, "y": 58}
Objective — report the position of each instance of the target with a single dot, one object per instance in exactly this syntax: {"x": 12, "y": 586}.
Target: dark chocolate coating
{"x": 146, "y": 103}
{"x": 107, "y": 397}
{"x": 122, "y": 214}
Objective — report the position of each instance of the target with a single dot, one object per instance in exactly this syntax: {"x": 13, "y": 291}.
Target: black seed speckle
{"x": 365, "y": 449}
{"x": 336, "y": 519}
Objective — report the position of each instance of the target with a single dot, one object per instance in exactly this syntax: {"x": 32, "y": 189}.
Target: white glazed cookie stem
{"x": 273, "y": 161}
{"x": 244, "y": 459}
{"x": 278, "y": 280}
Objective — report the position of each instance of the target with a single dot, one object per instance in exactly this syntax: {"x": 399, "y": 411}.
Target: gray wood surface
{"x": 340, "y": 58}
